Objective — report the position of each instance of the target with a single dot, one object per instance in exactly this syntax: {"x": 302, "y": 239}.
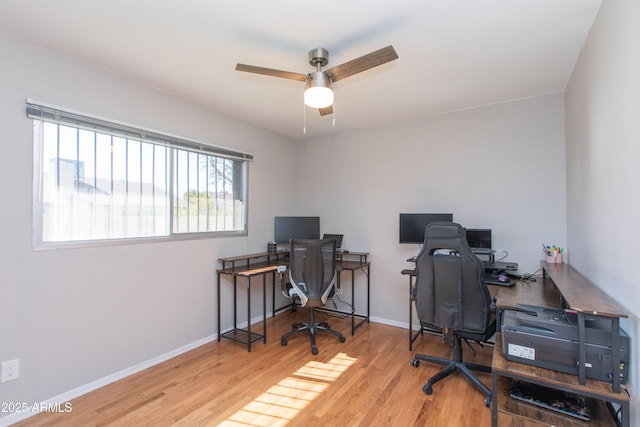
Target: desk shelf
{"x": 247, "y": 267}
{"x": 513, "y": 412}
{"x": 351, "y": 262}
{"x": 507, "y": 410}
{"x": 242, "y": 336}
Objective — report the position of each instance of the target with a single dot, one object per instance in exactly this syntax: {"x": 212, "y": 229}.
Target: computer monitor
{"x": 296, "y": 227}
{"x": 479, "y": 239}
{"x": 337, "y": 237}
{"x": 412, "y": 225}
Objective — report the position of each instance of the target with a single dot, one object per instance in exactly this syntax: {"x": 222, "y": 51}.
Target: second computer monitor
{"x": 479, "y": 239}
{"x": 336, "y": 237}
{"x": 412, "y": 225}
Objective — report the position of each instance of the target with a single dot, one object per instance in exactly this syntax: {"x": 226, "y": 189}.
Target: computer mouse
{"x": 502, "y": 278}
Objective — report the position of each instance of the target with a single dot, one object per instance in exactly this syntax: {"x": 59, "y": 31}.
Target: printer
{"x": 548, "y": 338}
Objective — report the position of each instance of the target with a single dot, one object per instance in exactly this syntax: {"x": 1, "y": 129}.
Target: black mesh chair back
{"x": 312, "y": 270}
{"x": 452, "y": 296}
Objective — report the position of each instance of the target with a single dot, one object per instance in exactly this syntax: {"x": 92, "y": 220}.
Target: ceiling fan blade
{"x": 326, "y": 111}
{"x": 363, "y": 63}
{"x": 271, "y": 72}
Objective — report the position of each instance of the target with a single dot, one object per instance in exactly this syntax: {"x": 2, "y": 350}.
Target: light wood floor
{"x": 366, "y": 381}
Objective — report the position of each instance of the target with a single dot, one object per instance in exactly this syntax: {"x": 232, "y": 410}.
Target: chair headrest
{"x": 444, "y": 230}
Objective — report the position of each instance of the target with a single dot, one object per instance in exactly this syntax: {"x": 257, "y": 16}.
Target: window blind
{"x": 44, "y": 112}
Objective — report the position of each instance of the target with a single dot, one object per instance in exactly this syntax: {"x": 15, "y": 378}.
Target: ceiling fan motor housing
{"x": 319, "y": 57}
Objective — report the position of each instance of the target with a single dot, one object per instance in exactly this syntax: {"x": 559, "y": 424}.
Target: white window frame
{"x": 176, "y": 149}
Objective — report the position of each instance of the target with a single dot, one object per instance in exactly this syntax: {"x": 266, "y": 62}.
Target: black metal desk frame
{"x": 413, "y": 336}
{"x": 265, "y": 263}
{"x": 346, "y": 264}
{"x": 243, "y": 267}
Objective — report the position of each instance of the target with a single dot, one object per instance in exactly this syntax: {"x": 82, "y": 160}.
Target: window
{"x": 100, "y": 181}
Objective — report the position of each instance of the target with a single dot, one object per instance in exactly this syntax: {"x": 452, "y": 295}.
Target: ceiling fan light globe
{"x": 318, "y": 92}
{"x": 318, "y": 97}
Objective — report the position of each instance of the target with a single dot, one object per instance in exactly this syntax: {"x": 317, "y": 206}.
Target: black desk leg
{"x": 410, "y": 314}
{"x": 368, "y": 292}
{"x": 353, "y": 302}
{"x": 219, "y": 329}
{"x": 235, "y": 307}
{"x": 582, "y": 359}
{"x": 264, "y": 307}
{"x": 615, "y": 354}
{"x": 273, "y": 295}
{"x": 249, "y": 313}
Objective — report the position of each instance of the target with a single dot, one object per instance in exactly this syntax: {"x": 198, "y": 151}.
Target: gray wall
{"x": 498, "y": 167}
{"x": 603, "y": 149}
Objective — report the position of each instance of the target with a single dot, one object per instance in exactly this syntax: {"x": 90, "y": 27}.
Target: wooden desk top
{"x": 541, "y": 293}
{"x": 272, "y": 261}
{"x": 256, "y": 255}
{"x": 580, "y": 293}
{"x": 259, "y": 270}
{"x": 252, "y": 269}
{"x": 284, "y": 252}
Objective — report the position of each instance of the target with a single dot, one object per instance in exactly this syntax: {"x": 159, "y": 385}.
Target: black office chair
{"x": 450, "y": 294}
{"x": 312, "y": 270}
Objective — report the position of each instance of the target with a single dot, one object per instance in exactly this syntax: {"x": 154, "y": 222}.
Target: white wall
{"x": 498, "y": 167}
{"x": 75, "y": 316}
{"x": 603, "y": 149}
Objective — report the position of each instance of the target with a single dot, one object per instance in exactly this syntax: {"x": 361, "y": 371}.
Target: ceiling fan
{"x": 319, "y": 90}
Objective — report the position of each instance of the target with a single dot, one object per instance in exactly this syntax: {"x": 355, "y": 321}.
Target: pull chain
{"x": 304, "y": 118}
{"x": 334, "y": 108}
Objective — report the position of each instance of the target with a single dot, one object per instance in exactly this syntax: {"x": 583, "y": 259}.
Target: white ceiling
{"x": 453, "y": 54}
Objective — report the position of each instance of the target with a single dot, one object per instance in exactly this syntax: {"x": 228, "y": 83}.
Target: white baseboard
{"x": 404, "y": 325}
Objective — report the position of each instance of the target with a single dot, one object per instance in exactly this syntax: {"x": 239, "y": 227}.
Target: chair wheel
{"x": 341, "y": 339}
{"x": 415, "y": 363}
{"x": 487, "y": 402}
{"x": 314, "y": 350}
{"x": 427, "y": 389}
{"x": 283, "y": 342}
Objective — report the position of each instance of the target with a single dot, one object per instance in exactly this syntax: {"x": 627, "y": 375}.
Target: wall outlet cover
{"x": 10, "y": 370}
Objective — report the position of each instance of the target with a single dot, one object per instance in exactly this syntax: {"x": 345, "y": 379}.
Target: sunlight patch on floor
{"x": 282, "y": 402}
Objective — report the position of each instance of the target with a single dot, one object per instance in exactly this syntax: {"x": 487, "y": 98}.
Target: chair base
{"x": 312, "y": 327}
{"x": 451, "y": 366}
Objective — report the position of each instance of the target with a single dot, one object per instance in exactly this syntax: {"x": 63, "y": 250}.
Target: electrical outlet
{"x": 10, "y": 370}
